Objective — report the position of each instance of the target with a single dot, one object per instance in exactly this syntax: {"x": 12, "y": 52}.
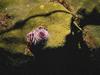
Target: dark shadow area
{"x": 89, "y": 18}
{"x": 22, "y": 23}
{"x": 87, "y": 61}
{"x": 15, "y": 63}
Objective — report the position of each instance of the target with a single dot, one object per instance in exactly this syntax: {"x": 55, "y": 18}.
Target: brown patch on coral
{"x": 88, "y": 38}
{"x": 4, "y": 19}
{"x": 65, "y": 3}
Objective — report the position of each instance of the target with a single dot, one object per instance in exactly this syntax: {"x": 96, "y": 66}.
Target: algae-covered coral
{"x": 32, "y": 14}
